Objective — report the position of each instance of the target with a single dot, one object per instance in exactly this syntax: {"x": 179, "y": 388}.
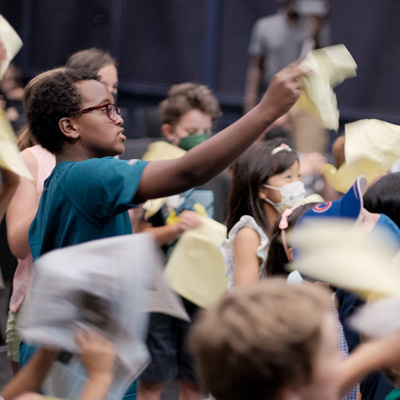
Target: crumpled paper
{"x": 371, "y": 148}
{"x": 328, "y": 67}
{"x": 9, "y": 153}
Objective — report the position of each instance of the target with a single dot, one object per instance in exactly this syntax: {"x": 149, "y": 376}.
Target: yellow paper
{"x": 9, "y": 153}
{"x": 12, "y": 43}
{"x": 159, "y": 151}
{"x": 340, "y": 253}
{"x": 151, "y": 207}
{"x": 162, "y": 151}
{"x": 196, "y": 268}
{"x": 371, "y": 148}
{"x": 328, "y": 68}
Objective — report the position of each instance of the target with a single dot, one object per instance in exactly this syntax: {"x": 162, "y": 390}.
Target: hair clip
{"x": 283, "y": 146}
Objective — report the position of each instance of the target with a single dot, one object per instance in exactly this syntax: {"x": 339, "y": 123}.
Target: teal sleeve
{"x": 103, "y": 187}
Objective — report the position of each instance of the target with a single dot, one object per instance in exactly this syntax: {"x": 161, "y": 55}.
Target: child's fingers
{"x": 92, "y": 339}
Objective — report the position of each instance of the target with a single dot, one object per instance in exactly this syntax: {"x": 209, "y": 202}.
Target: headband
{"x": 283, "y": 146}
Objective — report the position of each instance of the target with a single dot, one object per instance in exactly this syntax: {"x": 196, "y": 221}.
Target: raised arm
{"x": 245, "y": 257}
{"x": 22, "y": 209}
{"x": 98, "y": 358}
{"x": 32, "y": 376}
{"x": 199, "y": 165}
{"x": 8, "y": 186}
{"x": 371, "y": 356}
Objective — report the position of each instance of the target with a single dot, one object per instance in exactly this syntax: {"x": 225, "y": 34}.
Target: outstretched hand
{"x": 188, "y": 220}
{"x": 97, "y": 354}
{"x": 284, "y": 90}
{"x": 3, "y": 52}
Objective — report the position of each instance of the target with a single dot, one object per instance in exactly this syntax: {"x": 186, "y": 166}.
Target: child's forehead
{"x": 93, "y": 93}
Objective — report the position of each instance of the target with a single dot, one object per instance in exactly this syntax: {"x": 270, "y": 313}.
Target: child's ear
{"x": 67, "y": 127}
{"x": 168, "y": 132}
{"x": 263, "y": 193}
{"x": 290, "y": 254}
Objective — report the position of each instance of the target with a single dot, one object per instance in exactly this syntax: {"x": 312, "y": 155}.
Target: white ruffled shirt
{"x": 228, "y": 244}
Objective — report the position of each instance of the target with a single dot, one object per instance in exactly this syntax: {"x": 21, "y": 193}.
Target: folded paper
{"x": 196, "y": 268}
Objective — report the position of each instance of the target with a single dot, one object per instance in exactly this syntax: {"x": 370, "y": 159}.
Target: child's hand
{"x": 97, "y": 354}
{"x": 188, "y": 220}
{"x": 283, "y": 91}
{"x": 311, "y": 163}
{"x": 3, "y": 52}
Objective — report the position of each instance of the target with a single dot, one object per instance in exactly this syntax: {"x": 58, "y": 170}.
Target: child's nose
{"x": 119, "y": 120}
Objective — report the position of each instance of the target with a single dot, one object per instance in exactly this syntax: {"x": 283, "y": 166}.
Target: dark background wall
{"x": 161, "y": 42}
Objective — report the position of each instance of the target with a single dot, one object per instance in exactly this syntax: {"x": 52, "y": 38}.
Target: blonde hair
{"x": 94, "y": 59}
{"x": 259, "y": 339}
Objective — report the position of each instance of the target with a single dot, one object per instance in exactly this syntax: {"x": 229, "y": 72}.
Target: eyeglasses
{"x": 112, "y": 110}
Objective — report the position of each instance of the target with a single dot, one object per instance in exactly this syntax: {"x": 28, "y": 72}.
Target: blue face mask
{"x": 386, "y": 226}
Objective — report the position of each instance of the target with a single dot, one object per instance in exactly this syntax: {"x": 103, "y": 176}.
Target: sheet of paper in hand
{"x": 102, "y": 285}
{"x": 327, "y": 67}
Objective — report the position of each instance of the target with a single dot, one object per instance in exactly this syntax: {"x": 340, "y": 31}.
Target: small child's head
{"x": 25, "y": 138}
{"x": 384, "y": 197}
{"x": 261, "y": 179}
{"x": 188, "y": 114}
{"x": 72, "y": 107}
{"x": 99, "y": 61}
{"x": 280, "y": 251}
{"x": 269, "y": 341}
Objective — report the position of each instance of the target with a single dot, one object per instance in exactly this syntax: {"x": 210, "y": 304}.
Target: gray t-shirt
{"x": 280, "y": 42}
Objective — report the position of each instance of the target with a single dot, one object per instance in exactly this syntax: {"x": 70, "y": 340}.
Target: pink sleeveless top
{"x": 24, "y": 273}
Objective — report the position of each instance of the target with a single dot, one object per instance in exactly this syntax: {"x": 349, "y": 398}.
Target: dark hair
{"x": 277, "y": 258}
{"x": 93, "y": 58}
{"x": 251, "y": 170}
{"x": 188, "y": 96}
{"x": 55, "y": 97}
{"x": 277, "y": 132}
{"x": 383, "y": 197}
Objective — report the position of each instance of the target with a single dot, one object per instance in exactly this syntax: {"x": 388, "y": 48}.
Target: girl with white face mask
{"x": 266, "y": 181}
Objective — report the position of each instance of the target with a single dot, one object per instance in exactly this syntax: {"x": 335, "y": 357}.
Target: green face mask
{"x": 191, "y": 141}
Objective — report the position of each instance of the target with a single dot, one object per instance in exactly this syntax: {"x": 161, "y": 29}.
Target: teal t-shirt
{"x": 393, "y": 395}
{"x": 83, "y": 201}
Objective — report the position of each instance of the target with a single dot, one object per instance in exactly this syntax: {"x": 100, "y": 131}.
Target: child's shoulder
{"x": 248, "y": 224}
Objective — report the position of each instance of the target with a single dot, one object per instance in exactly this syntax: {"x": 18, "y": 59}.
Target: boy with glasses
{"x": 87, "y": 195}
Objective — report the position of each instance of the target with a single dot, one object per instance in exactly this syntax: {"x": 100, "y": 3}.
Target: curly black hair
{"x": 53, "y": 98}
